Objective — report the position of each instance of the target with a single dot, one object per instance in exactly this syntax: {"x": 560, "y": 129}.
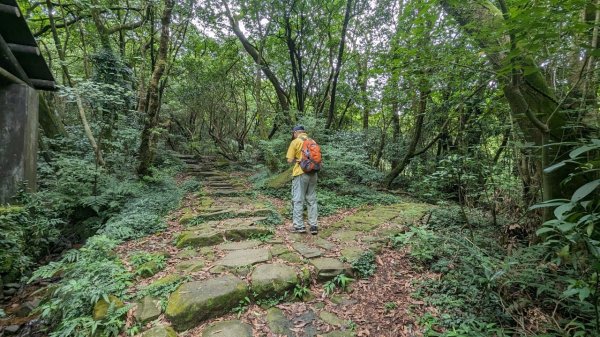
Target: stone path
{"x": 227, "y": 249}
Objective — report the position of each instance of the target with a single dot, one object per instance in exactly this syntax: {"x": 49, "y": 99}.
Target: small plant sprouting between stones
{"x": 389, "y": 306}
{"x": 242, "y": 306}
{"x": 147, "y": 264}
{"x": 300, "y": 290}
{"x": 365, "y": 265}
{"x": 340, "y": 281}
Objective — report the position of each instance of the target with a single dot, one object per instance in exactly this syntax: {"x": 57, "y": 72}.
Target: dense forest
{"x": 461, "y": 153}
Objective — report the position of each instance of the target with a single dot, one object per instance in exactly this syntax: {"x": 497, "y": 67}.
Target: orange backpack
{"x": 311, "y": 155}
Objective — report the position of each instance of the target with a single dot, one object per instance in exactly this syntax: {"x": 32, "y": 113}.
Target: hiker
{"x": 306, "y": 156}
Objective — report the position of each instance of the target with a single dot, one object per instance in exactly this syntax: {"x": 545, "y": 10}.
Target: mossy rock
{"x": 190, "y": 266}
{"x": 280, "y": 180}
{"x": 160, "y": 331}
{"x": 291, "y": 257}
{"x": 278, "y": 323}
{"x": 351, "y": 254}
{"x": 102, "y": 306}
{"x": 246, "y": 232}
{"x": 148, "y": 309}
{"x": 163, "y": 281}
{"x": 273, "y": 279}
{"x": 195, "y": 302}
{"x": 332, "y": 319}
{"x": 148, "y": 269}
{"x": 279, "y": 249}
{"x": 233, "y": 328}
{"x": 199, "y": 239}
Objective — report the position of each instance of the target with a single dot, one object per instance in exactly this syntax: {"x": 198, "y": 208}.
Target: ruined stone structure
{"x": 23, "y": 70}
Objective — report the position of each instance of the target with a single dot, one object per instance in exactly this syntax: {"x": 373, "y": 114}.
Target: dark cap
{"x": 298, "y": 128}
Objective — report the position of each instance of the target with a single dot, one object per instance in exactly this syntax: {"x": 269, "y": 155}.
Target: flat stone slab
{"x": 244, "y": 257}
{"x": 199, "y": 239}
{"x": 194, "y": 302}
{"x": 346, "y": 236}
{"x": 190, "y": 266}
{"x": 148, "y": 309}
{"x": 351, "y": 254}
{"x": 328, "y": 268}
{"x": 246, "y": 232}
{"x": 332, "y": 319}
{"x": 233, "y": 328}
{"x": 278, "y": 249}
{"x": 279, "y": 323}
{"x": 239, "y": 245}
{"x": 324, "y": 244}
{"x": 273, "y": 279}
{"x": 307, "y": 251}
{"x": 160, "y": 331}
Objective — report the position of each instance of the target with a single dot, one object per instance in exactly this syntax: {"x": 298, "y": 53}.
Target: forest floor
{"x": 291, "y": 282}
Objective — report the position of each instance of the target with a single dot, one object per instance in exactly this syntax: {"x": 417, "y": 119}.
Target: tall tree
{"x": 148, "y": 140}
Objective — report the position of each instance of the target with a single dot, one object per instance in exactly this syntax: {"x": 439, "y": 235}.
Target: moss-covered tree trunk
{"x": 533, "y": 104}
{"x": 148, "y": 143}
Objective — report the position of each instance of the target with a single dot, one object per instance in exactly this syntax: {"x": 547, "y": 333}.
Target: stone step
{"x": 233, "y": 328}
{"x": 194, "y": 302}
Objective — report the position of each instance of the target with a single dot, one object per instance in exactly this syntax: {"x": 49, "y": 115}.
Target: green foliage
{"x": 89, "y": 274}
{"x": 340, "y": 281}
{"x": 146, "y": 263}
{"x": 365, "y": 265}
{"x": 300, "y": 290}
{"x": 242, "y": 306}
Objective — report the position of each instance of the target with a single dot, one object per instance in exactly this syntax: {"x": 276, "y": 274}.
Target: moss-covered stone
{"x": 243, "y": 258}
{"x": 351, "y": 254}
{"x": 190, "y": 266}
{"x": 280, "y": 180}
{"x": 187, "y": 253}
{"x": 199, "y": 239}
{"x": 148, "y": 309}
{"x": 148, "y": 269}
{"x": 307, "y": 251}
{"x": 160, "y": 331}
{"x": 278, "y": 323}
{"x": 248, "y": 244}
{"x": 273, "y": 279}
{"x": 169, "y": 279}
{"x": 233, "y": 328}
{"x": 279, "y": 249}
{"x": 245, "y": 232}
{"x": 194, "y": 302}
{"x": 327, "y": 268}
{"x": 102, "y": 306}
{"x": 291, "y": 257}
{"x": 332, "y": 319}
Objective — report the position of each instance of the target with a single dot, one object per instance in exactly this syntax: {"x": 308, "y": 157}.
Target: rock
{"x": 342, "y": 300}
{"x": 239, "y": 245}
{"x": 278, "y": 323}
{"x": 197, "y": 301}
{"x": 273, "y": 279}
{"x": 101, "y": 307}
{"x": 148, "y": 309}
{"x": 307, "y": 321}
{"x": 11, "y": 330}
{"x": 351, "y": 254}
{"x": 208, "y": 253}
{"x": 233, "y": 328}
{"x": 332, "y": 319}
{"x": 187, "y": 253}
{"x": 278, "y": 249}
{"x": 246, "y": 232}
{"x": 346, "y": 236}
{"x": 327, "y": 268}
{"x": 290, "y": 257}
{"x": 324, "y": 244}
{"x": 163, "y": 281}
{"x": 307, "y": 251}
{"x": 160, "y": 331}
{"x": 190, "y": 266}
{"x": 148, "y": 269}
{"x": 245, "y": 257}
{"x": 199, "y": 239}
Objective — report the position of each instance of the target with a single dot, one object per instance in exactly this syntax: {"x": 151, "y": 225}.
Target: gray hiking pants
{"x": 304, "y": 187}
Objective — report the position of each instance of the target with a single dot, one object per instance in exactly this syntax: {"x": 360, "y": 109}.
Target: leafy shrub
{"x": 365, "y": 265}
{"x": 89, "y": 274}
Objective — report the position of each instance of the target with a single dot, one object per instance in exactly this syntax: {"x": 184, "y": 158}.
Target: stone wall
{"x": 18, "y": 139}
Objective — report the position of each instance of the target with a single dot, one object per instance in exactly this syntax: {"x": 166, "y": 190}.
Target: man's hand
{"x": 291, "y": 160}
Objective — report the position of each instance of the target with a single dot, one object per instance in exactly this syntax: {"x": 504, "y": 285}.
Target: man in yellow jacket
{"x": 304, "y": 185}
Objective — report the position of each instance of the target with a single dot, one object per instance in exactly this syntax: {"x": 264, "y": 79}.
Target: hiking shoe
{"x": 313, "y": 230}
{"x": 298, "y": 230}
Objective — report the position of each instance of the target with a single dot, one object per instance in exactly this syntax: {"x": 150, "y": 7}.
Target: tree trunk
{"x": 281, "y": 95}
{"x": 148, "y": 146}
{"x": 338, "y": 65}
{"x": 412, "y": 147}
{"x": 533, "y": 103}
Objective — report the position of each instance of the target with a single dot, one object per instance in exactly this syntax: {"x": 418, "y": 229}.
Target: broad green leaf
{"x": 582, "y": 149}
{"x": 554, "y": 167}
{"x": 585, "y": 190}
{"x": 549, "y": 203}
{"x": 565, "y": 227}
{"x": 589, "y": 229}
{"x": 560, "y": 211}
{"x": 544, "y": 230}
